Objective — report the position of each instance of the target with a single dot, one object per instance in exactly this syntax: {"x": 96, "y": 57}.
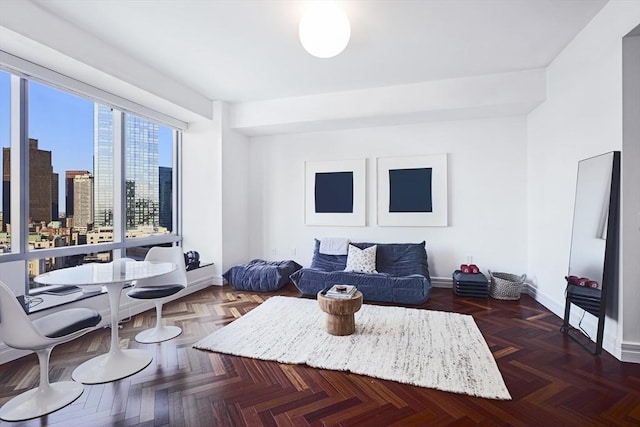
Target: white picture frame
{"x": 357, "y": 216}
{"x": 438, "y": 216}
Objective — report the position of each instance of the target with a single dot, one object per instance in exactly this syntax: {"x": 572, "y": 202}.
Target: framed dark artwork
{"x": 412, "y": 191}
{"x": 335, "y": 192}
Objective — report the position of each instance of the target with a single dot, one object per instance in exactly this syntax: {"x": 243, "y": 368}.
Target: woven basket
{"x": 506, "y": 286}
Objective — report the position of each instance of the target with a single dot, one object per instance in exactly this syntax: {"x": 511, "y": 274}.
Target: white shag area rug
{"x": 433, "y": 349}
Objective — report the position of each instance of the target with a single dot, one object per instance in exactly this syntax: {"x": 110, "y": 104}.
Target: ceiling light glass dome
{"x": 324, "y": 29}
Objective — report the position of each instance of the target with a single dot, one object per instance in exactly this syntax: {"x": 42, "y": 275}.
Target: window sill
{"x": 40, "y": 299}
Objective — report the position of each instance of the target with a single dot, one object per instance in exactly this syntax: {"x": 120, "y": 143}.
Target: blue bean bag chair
{"x": 260, "y": 275}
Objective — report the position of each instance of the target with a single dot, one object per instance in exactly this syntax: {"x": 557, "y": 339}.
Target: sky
{"x": 63, "y": 124}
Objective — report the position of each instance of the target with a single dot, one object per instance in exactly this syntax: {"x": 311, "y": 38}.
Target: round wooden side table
{"x": 340, "y": 313}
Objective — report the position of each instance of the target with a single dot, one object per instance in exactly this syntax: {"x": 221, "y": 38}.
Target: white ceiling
{"x": 240, "y": 50}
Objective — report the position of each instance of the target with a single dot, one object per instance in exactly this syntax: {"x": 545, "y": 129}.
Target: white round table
{"x": 117, "y": 363}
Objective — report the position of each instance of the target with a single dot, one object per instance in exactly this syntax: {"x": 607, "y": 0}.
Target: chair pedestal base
{"x": 36, "y": 403}
{"x": 154, "y": 335}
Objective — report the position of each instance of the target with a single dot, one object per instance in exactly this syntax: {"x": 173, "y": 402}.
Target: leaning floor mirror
{"x": 593, "y": 262}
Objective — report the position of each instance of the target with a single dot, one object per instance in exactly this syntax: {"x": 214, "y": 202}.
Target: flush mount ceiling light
{"x": 324, "y": 29}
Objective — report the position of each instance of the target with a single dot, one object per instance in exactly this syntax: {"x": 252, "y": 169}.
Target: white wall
{"x": 581, "y": 117}
{"x": 215, "y": 179}
{"x": 201, "y": 190}
{"x": 631, "y": 198}
{"x": 487, "y": 191}
{"x": 235, "y": 199}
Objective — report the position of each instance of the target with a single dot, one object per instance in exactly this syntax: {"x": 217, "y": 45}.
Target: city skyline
{"x": 64, "y": 124}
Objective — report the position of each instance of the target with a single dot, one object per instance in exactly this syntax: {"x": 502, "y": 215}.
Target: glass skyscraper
{"x": 102, "y": 166}
{"x": 141, "y": 170}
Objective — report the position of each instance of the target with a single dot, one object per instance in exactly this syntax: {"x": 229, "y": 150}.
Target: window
{"x": 60, "y": 162}
{"x": 90, "y": 186}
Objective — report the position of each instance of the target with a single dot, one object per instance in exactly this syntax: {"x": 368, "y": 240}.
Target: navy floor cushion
{"x": 261, "y": 275}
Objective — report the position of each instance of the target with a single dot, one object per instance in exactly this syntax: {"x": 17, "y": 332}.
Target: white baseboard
{"x": 206, "y": 273}
{"x": 442, "y": 282}
{"x": 630, "y": 352}
{"x": 197, "y": 280}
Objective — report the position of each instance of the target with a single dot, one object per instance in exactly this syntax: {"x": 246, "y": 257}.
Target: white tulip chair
{"x": 41, "y": 335}
{"x": 159, "y": 289}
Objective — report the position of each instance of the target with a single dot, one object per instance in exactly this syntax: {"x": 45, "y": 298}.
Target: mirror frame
{"x": 594, "y": 301}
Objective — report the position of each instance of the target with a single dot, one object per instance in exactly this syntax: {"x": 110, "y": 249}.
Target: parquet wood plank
{"x": 147, "y": 404}
{"x": 378, "y": 391}
{"x": 353, "y": 411}
{"x": 283, "y": 420}
{"x": 316, "y": 417}
{"x": 300, "y": 406}
{"x": 455, "y": 408}
{"x": 424, "y": 418}
{"x": 381, "y": 416}
{"x": 552, "y": 380}
{"x": 293, "y": 377}
{"x": 120, "y": 397}
{"x": 266, "y": 396}
{"x": 251, "y": 417}
{"x": 337, "y": 384}
{"x": 107, "y": 397}
{"x": 626, "y": 408}
{"x": 275, "y": 404}
{"x": 190, "y": 412}
{"x": 276, "y": 374}
{"x": 134, "y": 403}
{"x": 161, "y": 407}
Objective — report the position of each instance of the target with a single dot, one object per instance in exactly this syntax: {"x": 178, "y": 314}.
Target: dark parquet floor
{"x": 553, "y": 381}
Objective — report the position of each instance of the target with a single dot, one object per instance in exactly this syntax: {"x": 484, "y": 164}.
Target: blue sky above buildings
{"x": 63, "y": 124}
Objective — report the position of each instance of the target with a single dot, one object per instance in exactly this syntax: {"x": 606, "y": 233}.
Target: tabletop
{"x": 102, "y": 274}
